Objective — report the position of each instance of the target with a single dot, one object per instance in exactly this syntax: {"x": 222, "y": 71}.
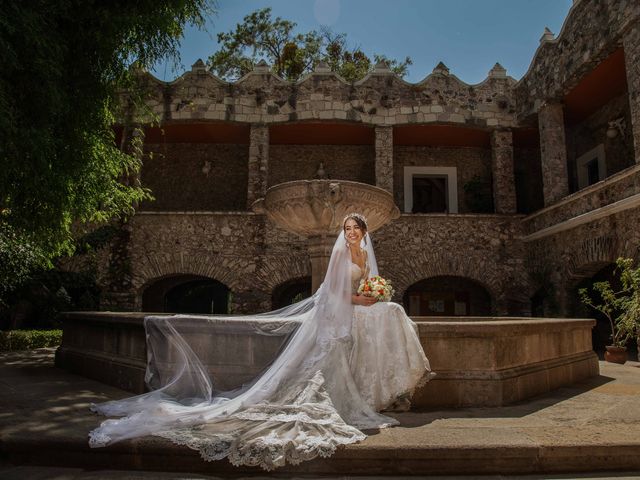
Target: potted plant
{"x": 621, "y": 308}
{"x": 630, "y": 299}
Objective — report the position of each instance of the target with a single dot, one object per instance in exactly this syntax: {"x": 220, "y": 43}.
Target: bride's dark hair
{"x": 359, "y": 219}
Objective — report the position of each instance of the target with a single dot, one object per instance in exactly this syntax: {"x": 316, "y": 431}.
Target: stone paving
{"x": 589, "y": 427}
{"x": 53, "y": 473}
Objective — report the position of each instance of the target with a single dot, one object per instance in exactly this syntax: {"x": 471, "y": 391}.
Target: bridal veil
{"x": 303, "y": 405}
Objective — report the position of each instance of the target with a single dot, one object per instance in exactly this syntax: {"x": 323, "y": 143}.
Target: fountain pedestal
{"x": 319, "y": 253}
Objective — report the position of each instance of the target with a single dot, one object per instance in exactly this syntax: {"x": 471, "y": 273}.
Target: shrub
{"x": 29, "y": 339}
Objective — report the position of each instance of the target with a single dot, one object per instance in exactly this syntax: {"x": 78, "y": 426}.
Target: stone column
{"x": 258, "y": 163}
{"x": 384, "y": 158}
{"x": 504, "y": 186}
{"x": 553, "y": 153}
{"x": 631, "y": 44}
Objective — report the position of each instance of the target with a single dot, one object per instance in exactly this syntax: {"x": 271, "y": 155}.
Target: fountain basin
{"x": 314, "y": 208}
{"x": 479, "y": 361}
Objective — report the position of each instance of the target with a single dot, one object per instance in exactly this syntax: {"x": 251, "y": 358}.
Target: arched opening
{"x": 447, "y": 296}
{"x": 601, "y": 333}
{"x": 291, "y": 292}
{"x": 187, "y": 294}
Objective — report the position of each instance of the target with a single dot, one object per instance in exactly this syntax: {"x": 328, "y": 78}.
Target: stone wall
{"x": 470, "y": 162}
{"x": 416, "y": 247}
{"x": 591, "y": 31}
{"x": 381, "y": 98}
{"x": 301, "y": 162}
{"x": 195, "y": 176}
{"x": 252, "y": 258}
{"x": 631, "y": 45}
{"x": 559, "y": 262}
{"x": 240, "y": 250}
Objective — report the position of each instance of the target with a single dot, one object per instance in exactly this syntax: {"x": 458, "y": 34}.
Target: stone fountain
{"x": 315, "y": 209}
{"x": 480, "y": 361}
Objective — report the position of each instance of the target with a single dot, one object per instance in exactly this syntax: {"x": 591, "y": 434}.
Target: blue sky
{"x": 469, "y": 36}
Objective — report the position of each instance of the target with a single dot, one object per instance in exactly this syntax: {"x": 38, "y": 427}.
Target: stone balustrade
{"x": 617, "y": 192}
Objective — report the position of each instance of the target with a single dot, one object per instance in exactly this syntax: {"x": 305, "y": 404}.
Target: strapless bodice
{"x": 356, "y": 275}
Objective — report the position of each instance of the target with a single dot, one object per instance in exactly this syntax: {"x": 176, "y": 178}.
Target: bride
{"x": 347, "y": 358}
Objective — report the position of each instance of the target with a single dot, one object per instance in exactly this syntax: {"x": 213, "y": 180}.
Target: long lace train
{"x": 339, "y": 367}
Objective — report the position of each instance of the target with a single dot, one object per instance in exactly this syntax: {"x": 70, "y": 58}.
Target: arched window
{"x": 186, "y": 294}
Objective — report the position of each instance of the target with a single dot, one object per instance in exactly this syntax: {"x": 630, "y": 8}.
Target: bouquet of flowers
{"x": 376, "y": 287}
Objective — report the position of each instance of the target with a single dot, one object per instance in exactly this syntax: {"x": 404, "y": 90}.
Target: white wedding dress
{"x": 340, "y": 366}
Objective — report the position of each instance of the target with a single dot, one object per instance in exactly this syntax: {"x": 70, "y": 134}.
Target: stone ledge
{"x": 497, "y": 326}
{"x": 156, "y": 454}
{"x": 492, "y": 389}
{"x": 484, "y": 361}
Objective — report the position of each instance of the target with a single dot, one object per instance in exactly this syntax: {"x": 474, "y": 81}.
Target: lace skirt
{"x": 387, "y": 360}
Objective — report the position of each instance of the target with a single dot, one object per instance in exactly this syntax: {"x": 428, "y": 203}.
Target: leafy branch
{"x": 622, "y": 307}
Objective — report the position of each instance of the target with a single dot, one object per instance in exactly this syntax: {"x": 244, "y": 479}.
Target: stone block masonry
{"x": 258, "y": 163}
{"x": 504, "y": 187}
{"x": 631, "y": 44}
{"x": 553, "y": 150}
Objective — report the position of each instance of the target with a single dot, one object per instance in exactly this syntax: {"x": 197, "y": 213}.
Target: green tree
{"x": 260, "y": 37}
{"x": 622, "y": 306}
{"x": 63, "y": 64}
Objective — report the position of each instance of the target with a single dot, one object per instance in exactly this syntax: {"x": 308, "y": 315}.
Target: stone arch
{"x": 292, "y": 290}
{"x": 426, "y": 265}
{"x": 185, "y": 293}
{"x": 601, "y": 331}
{"x": 447, "y": 295}
{"x": 591, "y": 256}
{"x": 227, "y": 270}
{"x": 276, "y": 270}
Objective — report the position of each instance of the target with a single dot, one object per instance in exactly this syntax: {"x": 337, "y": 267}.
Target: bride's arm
{"x": 363, "y": 300}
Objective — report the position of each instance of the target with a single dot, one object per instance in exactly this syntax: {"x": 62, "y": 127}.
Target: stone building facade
{"x": 511, "y": 192}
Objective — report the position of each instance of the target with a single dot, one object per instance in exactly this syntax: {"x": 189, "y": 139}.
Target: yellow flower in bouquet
{"x": 376, "y": 287}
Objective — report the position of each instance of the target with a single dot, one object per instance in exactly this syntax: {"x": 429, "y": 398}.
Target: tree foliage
{"x": 291, "y": 54}
{"x": 63, "y": 62}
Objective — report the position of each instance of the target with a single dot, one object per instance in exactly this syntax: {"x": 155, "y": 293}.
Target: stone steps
{"x": 590, "y": 426}
{"x": 155, "y": 454}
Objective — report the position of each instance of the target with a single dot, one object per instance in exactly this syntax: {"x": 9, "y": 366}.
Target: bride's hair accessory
{"x": 361, "y": 220}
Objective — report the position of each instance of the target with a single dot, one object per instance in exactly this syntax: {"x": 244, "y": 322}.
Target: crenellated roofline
{"x": 322, "y": 70}
{"x": 592, "y": 31}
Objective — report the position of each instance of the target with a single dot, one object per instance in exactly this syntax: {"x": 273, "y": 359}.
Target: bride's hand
{"x": 363, "y": 300}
